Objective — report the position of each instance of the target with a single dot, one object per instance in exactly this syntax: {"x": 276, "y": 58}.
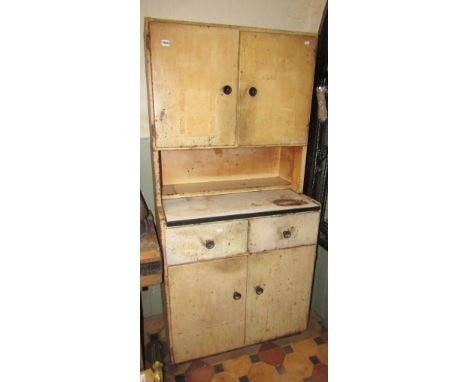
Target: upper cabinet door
{"x": 194, "y": 72}
{"x": 276, "y": 78}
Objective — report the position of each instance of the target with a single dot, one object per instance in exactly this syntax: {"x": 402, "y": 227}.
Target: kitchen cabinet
{"x": 227, "y": 86}
{"x": 229, "y": 108}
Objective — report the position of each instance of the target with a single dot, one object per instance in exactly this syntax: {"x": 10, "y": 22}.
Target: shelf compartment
{"x": 216, "y": 171}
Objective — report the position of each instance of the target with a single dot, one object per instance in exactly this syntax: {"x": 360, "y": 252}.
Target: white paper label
{"x": 306, "y": 42}
{"x": 165, "y": 43}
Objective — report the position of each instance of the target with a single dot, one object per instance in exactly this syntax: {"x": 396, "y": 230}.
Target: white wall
{"x": 297, "y": 15}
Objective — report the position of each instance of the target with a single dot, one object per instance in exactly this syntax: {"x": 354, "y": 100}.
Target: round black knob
{"x": 252, "y": 92}
{"x": 236, "y": 296}
{"x": 209, "y": 244}
{"x": 227, "y": 90}
{"x": 287, "y": 234}
{"x": 259, "y": 290}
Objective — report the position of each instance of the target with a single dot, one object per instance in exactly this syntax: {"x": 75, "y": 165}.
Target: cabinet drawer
{"x": 284, "y": 231}
{"x": 205, "y": 241}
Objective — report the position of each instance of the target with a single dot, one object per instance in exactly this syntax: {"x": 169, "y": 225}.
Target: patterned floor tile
{"x": 288, "y": 349}
{"x": 199, "y": 371}
{"x": 316, "y": 328}
{"x": 299, "y": 364}
{"x": 280, "y": 369}
{"x": 262, "y": 372}
{"x": 320, "y": 373}
{"x": 324, "y": 335}
{"x": 271, "y": 353}
{"x": 322, "y": 353}
{"x": 218, "y": 368}
{"x": 314, "y": 359}
{"x": 290, "y": 377}
{"x": 225, "y": 376}
{"x": 301, "y": 361}
{"x": 307, "y": 347}
{"x": 319, "y": 340}
{"x": 239, "y": 366}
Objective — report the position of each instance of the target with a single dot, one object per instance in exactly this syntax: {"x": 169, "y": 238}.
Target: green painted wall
{"x": 152, "y": 301}
{"x": 320, "y": 287}
{"x": 146, "y": 175}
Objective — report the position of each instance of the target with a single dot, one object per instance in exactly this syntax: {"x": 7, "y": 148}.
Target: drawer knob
{"x": 259, "y": 290}
{"x": 227, "y": 90}
{"x": 236, "y": 296}
{"x": 287, "y": 234}
{"x": 209, "y": 244}
{"x": 253, "y": 91}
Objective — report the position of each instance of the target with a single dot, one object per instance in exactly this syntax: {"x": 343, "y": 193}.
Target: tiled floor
{"x": 302, "y": 358}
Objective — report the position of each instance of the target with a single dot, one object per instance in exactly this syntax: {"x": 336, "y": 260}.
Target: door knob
{"x": 259, "y": 290}
{"x": 236, "y": 296}
{"x": 287, "y": 234}
{"x": 209, "y": 244}
{"x": 252, "y": 92}
{"x": 227, "y": 90}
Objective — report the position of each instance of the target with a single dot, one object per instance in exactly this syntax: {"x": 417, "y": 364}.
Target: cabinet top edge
{"x": 241, "y": 28}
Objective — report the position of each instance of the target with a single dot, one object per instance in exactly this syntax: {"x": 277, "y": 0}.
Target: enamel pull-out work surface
{"x": 210, "y": 208}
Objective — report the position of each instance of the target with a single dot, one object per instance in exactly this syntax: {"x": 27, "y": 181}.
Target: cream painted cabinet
{"x": 194, "y": 80}
{"x": 229, "y": 111}
{"x": 276, "y": 76}
{"x": 229, "y": 86}
{"x": 207, "y": 303}
{"x": 277, "y": 301}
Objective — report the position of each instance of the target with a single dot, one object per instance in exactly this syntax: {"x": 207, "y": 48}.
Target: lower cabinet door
{"x": 207, "y": 307}
{"x": 278, "y": 292}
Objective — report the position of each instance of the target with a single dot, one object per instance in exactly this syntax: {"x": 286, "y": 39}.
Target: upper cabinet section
{"x": 194, "y": 79}
{"x": 224, "y": 86}
{"x": 276, "y": 76}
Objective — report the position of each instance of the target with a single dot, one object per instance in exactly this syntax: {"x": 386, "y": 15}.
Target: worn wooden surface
{"x": 292, "y": 166}
{"x": 190, "y": 66}
{"x": 286, "y": 278}
{"x": 191, "y": 172}
{"x": 205, "y": 165}
{"x": 188, "y": 243}
{"x": 268, "y": 233}
{"x": 150, "y": 252}
{"x": 205, "y": 317}
{"x": 281, "y": 68}
{"x": 188, "y": 110}
{"x": 175, "y": 191}
{"x": 152, "y": 325}
{"x": 234, "y": 204}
